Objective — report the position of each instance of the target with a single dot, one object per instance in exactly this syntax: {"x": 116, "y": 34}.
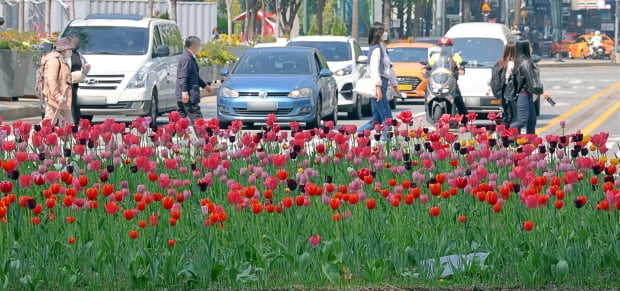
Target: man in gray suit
{"x": 189, "y": 82}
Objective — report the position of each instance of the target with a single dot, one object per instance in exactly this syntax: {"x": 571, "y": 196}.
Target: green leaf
{"x": 216, "y": 271}
{"x": 332, "y": 272}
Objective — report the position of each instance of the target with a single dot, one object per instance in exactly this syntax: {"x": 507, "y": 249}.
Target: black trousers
{"x": 75, "y": 108}
{"x": 190, "y": 110}
{"x": 460, "y": 104}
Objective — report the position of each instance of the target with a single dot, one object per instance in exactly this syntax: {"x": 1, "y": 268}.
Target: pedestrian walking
{"x": 79, "y": 70}
{"x": 57, "y": 83}
{"x": 516, "y": 31}
{"x": 503, "y": 78}
{"x": 527, "y": 84}
{"x": 381, "y": 74}
{"x": 189, "y": 82}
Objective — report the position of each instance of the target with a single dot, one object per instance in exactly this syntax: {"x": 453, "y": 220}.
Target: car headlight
{"x": 301, "y": 93}
{"x": 139, "y": 79}
{"x": 228, "y": 93}
{"x": 344, "y": 71}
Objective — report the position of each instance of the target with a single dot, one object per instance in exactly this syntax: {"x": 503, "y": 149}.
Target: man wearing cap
{"x": 57, "y": 88}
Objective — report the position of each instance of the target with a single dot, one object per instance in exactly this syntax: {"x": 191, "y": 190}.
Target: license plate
{"x": 92, "y": 100}
{"x": 495, "y": 101}
{"x": 405, "y": 87}
{"x": 263, "y": 105}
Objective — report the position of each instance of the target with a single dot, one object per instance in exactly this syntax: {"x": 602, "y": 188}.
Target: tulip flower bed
{"x": 118, "y": 206}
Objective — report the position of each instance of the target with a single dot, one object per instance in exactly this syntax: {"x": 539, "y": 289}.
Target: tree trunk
{"x": 387, "y": 14}
{"x": 229, "y": 18}
{"x": 173, "y": 10}
{"x": 320, "y": 5}
{"x": 355, "y": 19}
{"x": 400, "y": 14}
{"x": 48, "y": 16}
{"x": 409, "y": 15}
{"x": 418, "y": 14}
{"x": 517, "y": 15}
{"x": 466, "y": 10}
{"x": 149, "y": 8}
{"x": 72, "y": 9}
{"x": 250, "y": 18}
{"x": 20, "y": 18}
{"x": 289, "y": 10}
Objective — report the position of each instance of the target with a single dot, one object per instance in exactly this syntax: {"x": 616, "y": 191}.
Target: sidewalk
{"x": 24, "y": 108}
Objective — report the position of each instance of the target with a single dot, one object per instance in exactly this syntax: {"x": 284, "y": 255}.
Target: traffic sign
{"x": 486, "y": 7}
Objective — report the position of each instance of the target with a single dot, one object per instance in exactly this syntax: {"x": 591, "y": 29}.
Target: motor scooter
{"x": 441, "y": 88}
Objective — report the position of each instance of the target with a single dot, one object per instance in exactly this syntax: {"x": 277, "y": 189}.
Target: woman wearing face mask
{"x": 58, "y": 87}
{"x": 79, "y": 69}
{"x": 381, "y": 74}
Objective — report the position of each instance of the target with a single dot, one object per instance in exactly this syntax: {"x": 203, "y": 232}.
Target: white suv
{"x": 342, "y": 55}
{"x": 133, "y": 64}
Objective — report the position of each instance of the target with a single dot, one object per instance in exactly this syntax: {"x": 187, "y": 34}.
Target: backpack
{"x": 498, "y": 81}
{"x": 39, "y": 87}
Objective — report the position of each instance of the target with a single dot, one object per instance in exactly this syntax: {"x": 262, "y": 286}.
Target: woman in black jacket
{"x": 528, "y": 85}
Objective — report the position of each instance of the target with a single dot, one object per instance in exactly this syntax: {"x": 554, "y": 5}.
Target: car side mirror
{"x": 424, "y": 63}
{"x": 162, "y": 51}
{"x": 464, "y": 63}
{"x": 362, "y": 60}
{"x": 224, "y": 72}
{"x": 536, "y": 58}
{"x": 325, "y": 73}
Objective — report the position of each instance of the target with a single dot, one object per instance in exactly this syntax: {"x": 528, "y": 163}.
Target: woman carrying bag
{"x": 79, "y": 69}
{"x": 381, "y": 74}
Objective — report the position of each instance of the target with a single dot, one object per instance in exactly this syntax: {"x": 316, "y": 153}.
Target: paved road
{"x": 588, "y": 99}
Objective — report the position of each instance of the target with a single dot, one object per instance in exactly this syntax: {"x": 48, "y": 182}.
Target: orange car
{"x": 581, "y": 48}
{"x": 406, "y": 58}
{"x": 567, "y": 40}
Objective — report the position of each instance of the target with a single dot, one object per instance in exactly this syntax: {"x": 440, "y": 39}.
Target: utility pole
{"x": 517, "y": 16}
{"x": 507, "y": 12}
{"x": 72, "y": 9}
{"x": 20, "y": 18}
{"x": 556, "y": 18}
{"x": 355, "y": 19}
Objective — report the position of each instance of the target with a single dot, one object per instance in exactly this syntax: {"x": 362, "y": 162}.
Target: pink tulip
{"x": 315, "y": 240}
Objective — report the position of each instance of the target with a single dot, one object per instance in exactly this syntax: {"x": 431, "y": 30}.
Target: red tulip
{"x": 111, "y": 207}
{"x": 71, "y": 240}
{"x": 315, "y": 240}
{"x": 133, "y": 234}
{"x": 462, "y": 218}
{"x": 434, "y": 211}
{"x": 171, "y": 242}
{"x": 528, "y": 225}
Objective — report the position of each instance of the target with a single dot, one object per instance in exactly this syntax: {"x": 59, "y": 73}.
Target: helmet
{"x": 444, "y": 41}
{"x": 597, "y": 33}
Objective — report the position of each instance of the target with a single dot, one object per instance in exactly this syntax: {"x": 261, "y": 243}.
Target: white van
{"x": 481, "y": 45}
{"x": 133, "y": 64}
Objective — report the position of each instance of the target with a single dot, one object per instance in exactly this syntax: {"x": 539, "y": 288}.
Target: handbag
{"x": 77, "y": 77}
{"x": 365, "y": 87}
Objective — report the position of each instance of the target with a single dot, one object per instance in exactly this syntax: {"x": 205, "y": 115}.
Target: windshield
{"x": 333, "y": 51}
{"x": 479, "y": 52}
{"x": 441, "y": 59}
{"x": 274, "y": 63}
{"x": 408, "y": 55}
{"x": 113, "y": 40}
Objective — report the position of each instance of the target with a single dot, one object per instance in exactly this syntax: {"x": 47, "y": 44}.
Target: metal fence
{"x": 193, "y": 18}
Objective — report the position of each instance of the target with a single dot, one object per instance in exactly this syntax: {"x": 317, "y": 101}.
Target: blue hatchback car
{"x": 293, "y": 83}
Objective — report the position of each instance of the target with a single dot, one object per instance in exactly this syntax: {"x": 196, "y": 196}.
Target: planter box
{"x": 212, "y": 73}
{"x": 31, "y": 76}
{"x": 14, "y": 68}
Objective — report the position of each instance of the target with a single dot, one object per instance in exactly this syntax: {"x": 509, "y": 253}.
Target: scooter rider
{"x": 595, "y": 42}
{"x": 455, "y": 63}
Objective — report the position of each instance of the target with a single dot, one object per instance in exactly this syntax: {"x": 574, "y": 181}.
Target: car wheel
{"x": 367, "y": 109}
{"x": 393, "y": 103}
{"x": 583, "y": 55}
{"x": 248, "y": 124}
{"x": 356, "y": 112}
{"x": 317, "y": 117}
{"x": 537, "y": 106}
{"x": 334, "y": 115}
{"x": 224, "y": 124}
{"x": 154, "y": 109}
